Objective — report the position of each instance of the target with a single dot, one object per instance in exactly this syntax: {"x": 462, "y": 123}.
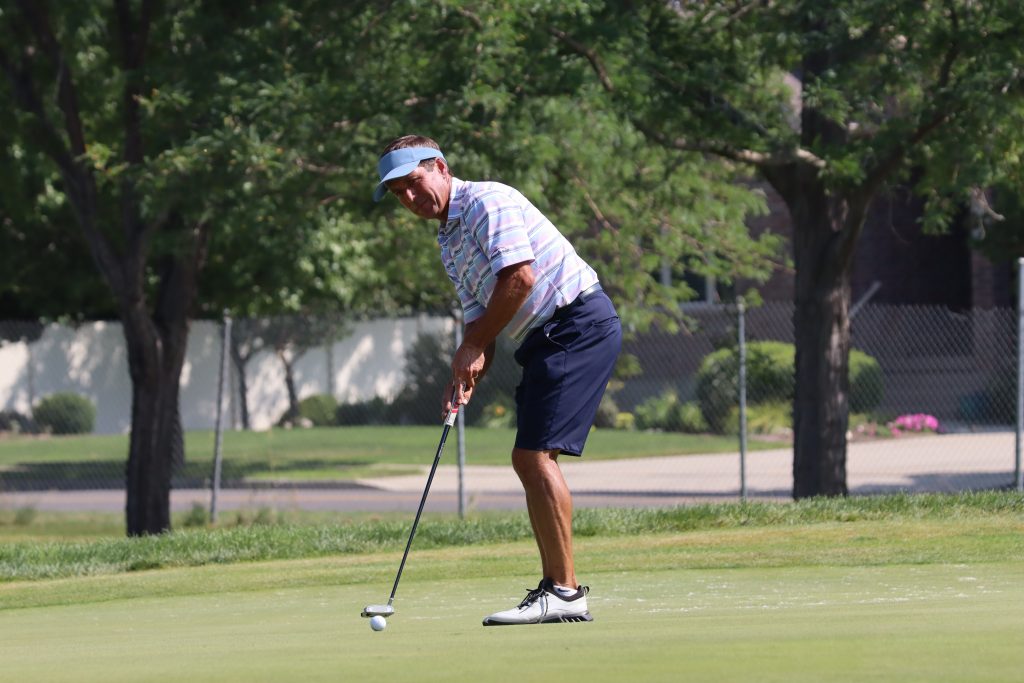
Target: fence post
{"x": 741, "y": 310}
{"x": 460, "y": 427}
{"x": 225, "y": 339}
{"x": 1018, "y": 473}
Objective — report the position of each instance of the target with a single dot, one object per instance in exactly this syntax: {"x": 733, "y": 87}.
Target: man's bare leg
{"x": 549, "y": 503}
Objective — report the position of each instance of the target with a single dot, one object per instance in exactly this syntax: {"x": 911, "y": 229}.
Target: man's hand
{"x": 473, "y": 357}
{"x": 468, "y": 367}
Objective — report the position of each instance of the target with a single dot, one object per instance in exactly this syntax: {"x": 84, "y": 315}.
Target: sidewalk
{"x": 952, "y": 462}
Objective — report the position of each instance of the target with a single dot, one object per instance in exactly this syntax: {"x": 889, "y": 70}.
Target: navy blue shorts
{"x": 566, "y": 363}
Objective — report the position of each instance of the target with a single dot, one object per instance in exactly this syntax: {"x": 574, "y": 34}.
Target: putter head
{"x": 377, "y": 611}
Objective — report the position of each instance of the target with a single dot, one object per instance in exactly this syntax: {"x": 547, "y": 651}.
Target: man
{"x": 514, "y": 271}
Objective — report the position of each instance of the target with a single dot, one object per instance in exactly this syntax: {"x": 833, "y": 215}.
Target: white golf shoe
{"x": 543, "y": 605}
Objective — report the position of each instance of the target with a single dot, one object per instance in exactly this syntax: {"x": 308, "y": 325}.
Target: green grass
{"x": 286, "y": 539}
{"x": 342, "y": 453}
{"x": 904, "y": 588}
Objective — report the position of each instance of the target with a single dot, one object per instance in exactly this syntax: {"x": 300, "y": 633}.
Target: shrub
{"x": 866, "y": 382}
{"x": 691, "y": 420}
{"x": 607, "y": 413}
{"x": 625, "y": 421}
{"x": 376, "y": 411}
{"x": 497, "y": 415}
{"x": 320, "y": 409}
{"x": 66, "y": 413}
{"x": 197, "y": 517}
{"x": 428, "y": 371}
{"x": 668, "y": 413}
{"x": 15, "y": 422}
{"x": 658, "y": 412}
{"x": 771, "y": 378}
{"x": 774, "y": 418}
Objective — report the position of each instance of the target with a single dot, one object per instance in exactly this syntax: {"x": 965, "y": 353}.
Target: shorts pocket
{"x": 562, "y": 333}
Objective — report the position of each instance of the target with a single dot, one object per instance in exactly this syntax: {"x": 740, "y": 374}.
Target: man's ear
{"x": 442, "y": 166}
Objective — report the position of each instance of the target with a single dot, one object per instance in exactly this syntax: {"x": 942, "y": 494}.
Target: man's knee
{"x": 531, "y": 466}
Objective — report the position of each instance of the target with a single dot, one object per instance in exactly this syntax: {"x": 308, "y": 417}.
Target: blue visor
{"x": 400, "y": 163}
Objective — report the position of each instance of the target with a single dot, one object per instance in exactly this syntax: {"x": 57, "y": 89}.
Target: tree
{"x": 830, "y": 103}
{"x": 150, "y": 122}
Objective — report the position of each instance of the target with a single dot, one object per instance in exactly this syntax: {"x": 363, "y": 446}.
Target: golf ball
{"x": 378, "y": 623}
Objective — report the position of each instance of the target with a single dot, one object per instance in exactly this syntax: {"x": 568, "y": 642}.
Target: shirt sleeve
{"x": 496, "y": 220}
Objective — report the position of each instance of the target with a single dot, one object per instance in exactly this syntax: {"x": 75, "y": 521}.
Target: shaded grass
{"x": 343, "y": 453}
{"x": 997, "y": 518}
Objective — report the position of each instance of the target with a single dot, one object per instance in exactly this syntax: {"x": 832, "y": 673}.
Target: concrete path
{"x": 955, "y": 462}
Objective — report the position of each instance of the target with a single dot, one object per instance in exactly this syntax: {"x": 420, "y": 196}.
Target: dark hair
{"x": 407, "y": 141}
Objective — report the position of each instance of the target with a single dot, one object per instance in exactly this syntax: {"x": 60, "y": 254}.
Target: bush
{"x": 773, "y": 418}
{"x": 625, "y": 421}
{"x": 428, "y": 371}
{"x": 320, "y": 409}
{"x": 866, "y": 382}
{"x": 197, "y": 517}
{"x": 657, "y": 412}
{"x": 498, "y": 415}
{"x": 16, "y": 423}
{"x": 376, "y": 411}
{"x": 607, "y": 413}
{"x": 771, "y": 378}
{"x": 66, "y": 413}
{"x": 691, "y": 419}
{"x": 668, "y": 413}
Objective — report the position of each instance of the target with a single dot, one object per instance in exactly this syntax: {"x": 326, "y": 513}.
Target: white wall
{"x": 91, "y": 360}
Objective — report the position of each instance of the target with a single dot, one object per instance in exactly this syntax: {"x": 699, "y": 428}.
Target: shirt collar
{"x": 454, "y": 207}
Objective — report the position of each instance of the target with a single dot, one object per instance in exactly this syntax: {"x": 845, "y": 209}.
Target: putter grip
{"x": 452, "y": 414}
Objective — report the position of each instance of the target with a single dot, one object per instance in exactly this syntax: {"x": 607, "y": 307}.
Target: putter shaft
{"x": 448, "y": 422}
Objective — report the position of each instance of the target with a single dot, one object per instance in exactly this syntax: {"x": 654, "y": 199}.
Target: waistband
{"x": 589, "y": 292}
{"x": 582, "y": 298}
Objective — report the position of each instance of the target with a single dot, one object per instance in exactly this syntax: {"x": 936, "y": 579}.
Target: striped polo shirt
{"x": 492, "y": 226}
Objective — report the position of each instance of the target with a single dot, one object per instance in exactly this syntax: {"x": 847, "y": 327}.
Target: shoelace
{"x": 531, "y": 597}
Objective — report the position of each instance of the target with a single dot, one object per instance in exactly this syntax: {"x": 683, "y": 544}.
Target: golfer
{"x": 514, "y": 271}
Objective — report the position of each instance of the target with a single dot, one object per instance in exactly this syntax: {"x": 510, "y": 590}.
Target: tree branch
{"x": 80, "y": 186}
{"x": 591, "y": 56}
{"x": 67, "y": 98}
{"x": 133, "y": 35}
{"x": 746, "y": 156}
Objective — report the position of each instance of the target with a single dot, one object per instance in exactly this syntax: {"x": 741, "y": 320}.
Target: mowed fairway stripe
{"x": 881, "y": 623}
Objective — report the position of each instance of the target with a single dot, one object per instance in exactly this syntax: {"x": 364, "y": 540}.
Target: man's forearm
{"x": 510, "y": 292}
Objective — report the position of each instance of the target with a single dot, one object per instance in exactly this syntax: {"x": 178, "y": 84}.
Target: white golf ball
{"x": 378, "y": 623}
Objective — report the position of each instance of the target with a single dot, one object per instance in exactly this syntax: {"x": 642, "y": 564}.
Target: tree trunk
{"x": 155, "y": 437}
{"x": 156, "y": 353}
{"x": 240, "y": 362}
{"x": 289, "y": 380}
{"x": 825, "y": 230}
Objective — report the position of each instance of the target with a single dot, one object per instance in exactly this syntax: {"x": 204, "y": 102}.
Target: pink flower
{"x": 917, "y": 422}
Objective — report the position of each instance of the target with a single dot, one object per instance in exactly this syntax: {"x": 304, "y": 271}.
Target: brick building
{"x": 909, "y": 266}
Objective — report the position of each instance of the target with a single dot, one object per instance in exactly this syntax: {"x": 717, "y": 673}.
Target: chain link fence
{"x": 933, "y": 399}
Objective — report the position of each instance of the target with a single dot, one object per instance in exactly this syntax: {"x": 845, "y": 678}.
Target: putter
{"x": 388, "y": 609}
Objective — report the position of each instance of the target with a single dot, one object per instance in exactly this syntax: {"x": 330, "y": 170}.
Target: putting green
{"x": 877, "y": 623}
